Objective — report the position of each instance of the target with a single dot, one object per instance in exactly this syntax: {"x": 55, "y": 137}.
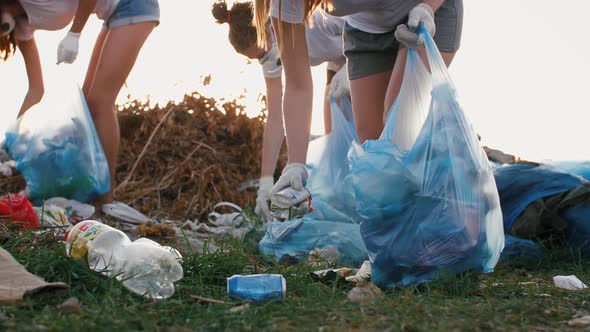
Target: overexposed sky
{"x": 521, "y": 72}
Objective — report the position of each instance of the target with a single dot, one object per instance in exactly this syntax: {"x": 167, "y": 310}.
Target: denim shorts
{"x": 368, "y": 54}
{"x": 133, "y": 11}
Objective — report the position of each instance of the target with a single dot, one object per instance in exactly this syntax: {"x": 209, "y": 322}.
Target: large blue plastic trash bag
{"x": 345, "y": 128}
{"x": 521, "y": 184}
{"x": 58, "y": 151}
{"x": 578, "y": 232}
{"x": 426, "y": 203}
{"x": 333, "y": 223}
{"x": 580, "y": 168}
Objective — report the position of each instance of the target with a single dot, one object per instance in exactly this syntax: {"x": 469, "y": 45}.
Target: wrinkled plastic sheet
{"x": 58, "y": 151}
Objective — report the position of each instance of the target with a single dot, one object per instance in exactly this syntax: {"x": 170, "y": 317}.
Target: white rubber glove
{"x": 67, "y": 50}
{"x": 294, "y": 176}
{"x": 340, "y": 85}
{"x": 263, "y": 199}
{"x": 406, "y": 33}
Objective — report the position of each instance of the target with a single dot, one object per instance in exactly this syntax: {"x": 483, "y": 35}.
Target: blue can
{"x": 257, "y": 287}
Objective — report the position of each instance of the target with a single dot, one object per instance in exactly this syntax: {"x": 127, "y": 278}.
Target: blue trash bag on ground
{"x": 432, "y": 206}
{"x": 578, "y": 233}
{"x": 547, "y": 204}
{"x": 580, "y": 168}
{"x": 333, "y": 222}
{"x": 59, "y": 153}
{"x": 521, "y": 184}
{"x": 516, "y": 247}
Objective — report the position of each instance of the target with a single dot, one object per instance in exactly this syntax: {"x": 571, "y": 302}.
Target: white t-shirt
{"x": 324, "y": 44}
{"x": 54, "y": 15}
{"x": 372, "y": 16}
{"x": 44, "y": 15}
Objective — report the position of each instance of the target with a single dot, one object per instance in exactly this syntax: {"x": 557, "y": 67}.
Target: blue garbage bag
{"x": 426, "y": 197}
{"x": 578, "y": 232}
{"x": 580, "y": 168}
{"x": 521, "y": 184}
{"x": 333, "y": 222}
{"x": 59, "y": 153}
{"x": 516, "y": 247}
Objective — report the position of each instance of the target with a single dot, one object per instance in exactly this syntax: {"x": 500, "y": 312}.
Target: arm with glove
{"x": 422, "y": 13}
{"x": 274, "y": 134}
{"x": 67, "y": 50}
{"x": 297, "y": 104}
{"x": 340, "y": 85}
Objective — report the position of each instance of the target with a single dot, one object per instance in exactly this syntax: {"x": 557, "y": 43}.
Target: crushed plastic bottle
{"x": 290, "y": 204}
{"x": 257, "y": 287}
{"x": 143, "y": 266}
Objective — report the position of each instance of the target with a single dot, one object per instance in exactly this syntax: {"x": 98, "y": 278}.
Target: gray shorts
{"x": 368, "y": 54}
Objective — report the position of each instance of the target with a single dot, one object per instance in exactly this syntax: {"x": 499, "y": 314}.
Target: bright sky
{"x": 521, "y": 72}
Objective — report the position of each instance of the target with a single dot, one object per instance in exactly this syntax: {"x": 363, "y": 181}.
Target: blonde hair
{"x": 262, "y": 11}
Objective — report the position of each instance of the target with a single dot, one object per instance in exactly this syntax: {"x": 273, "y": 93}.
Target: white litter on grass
{"x": 233, "y": 219}
{"x": 570, "y": 282}
{"x": 59, "y": 212}
{"x": 579, "y": 320}
{"x": 364, "y": 293}
{"x": 233, "y": 224}
{"x": 124, "y": 212}
{"x": 6, "y": 168}
{"x": 327, "y": 255}
{"x": 363, "y": 273}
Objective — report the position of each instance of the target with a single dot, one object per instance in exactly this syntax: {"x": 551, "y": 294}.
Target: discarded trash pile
{"x": 179, "y": 160}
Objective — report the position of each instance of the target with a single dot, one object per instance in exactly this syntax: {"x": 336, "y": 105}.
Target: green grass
{"x": 515, "y": 297}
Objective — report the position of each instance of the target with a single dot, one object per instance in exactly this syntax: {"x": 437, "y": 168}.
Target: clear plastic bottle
{"x": 143, "y": 266}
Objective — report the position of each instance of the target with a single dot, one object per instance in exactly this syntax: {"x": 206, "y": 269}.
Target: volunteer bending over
{"x": 375, "y": 60}
{"x": 324, "y": 44}
{"x": 18, "y": 21}
{"x": 127, "y": 24}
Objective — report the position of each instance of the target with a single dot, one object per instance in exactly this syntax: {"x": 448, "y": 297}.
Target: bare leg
{"x": 327, "y": 111}
{"x": 94, "y": 61}
{"x": 117, "y": 58}
{"x": 367, "y": 96}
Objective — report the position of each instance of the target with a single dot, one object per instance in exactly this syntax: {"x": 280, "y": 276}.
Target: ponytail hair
{"x": 242, "y": 34}
{"x": 262, "y": 15}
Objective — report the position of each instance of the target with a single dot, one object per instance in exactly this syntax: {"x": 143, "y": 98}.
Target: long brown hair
{"x": 262, "y": 11}
{"x": 7, "y": 46}
{"x": 242, "y": 33}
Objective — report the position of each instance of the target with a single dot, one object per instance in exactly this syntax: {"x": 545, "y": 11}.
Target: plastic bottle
{"x": 143, "y": 266}
{"x": 257, "y": 287}
{"x": 289, "y": 204}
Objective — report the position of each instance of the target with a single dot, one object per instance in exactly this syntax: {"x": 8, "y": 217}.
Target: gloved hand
{"x": 263, "y": 199}
{"x": 67, "y": 50}
{"x": 406, "y": 33}
{"x": 340, "y": 85}
{"x": 294, "y": 175}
